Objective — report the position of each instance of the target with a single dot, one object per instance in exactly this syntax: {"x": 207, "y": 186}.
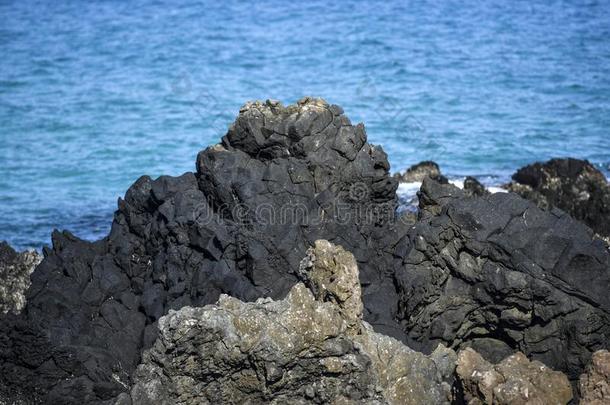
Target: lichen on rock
{"x": 513, "y": 381}
{"x": 15, "y": 270}
{"x": 594, "y": 384}
{"x": 310, "y": 347}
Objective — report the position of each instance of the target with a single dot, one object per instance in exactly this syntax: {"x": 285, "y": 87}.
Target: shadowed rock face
{"x": 311, "y": 347}
{"x": 498, "y": 274}
{"x": 513, "y": 381}
{"x": 281, "y": 178}
{"x": 15, "y": 270}
{"x": 573, "y": 185}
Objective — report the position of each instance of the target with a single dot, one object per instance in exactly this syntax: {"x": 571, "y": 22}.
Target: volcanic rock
{"x": 595, "y": 383}
{"x": 15, "y": 270}
{"x": 310, "y": 347}
{"x": 473, "y": 187}
{"x": 514, "y": 381}
{"x": 498, "y": 274}
{"x": 418, "y": 172}
{"x": 492, "y": 272}
{"x": 281, "y": 178}
{"x": 572, "y": 185}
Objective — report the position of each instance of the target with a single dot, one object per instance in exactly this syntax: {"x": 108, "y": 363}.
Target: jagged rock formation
{"x": 474, "y": 188}
{"x": 418, "y": 172}
{"x": 513, "y": 381}
{"x": 15, "y": 270}
{"x": 281, "y": 178}
{"x": 311, "y": 347}
{"x": 498, "y": 274}
{"x": 594, "y": 385}
{"x": 490, "y": 272}
{"x": 573, "y": 185}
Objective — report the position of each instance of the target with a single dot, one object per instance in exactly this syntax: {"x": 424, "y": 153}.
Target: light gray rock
{"x": 513, "y": 381}
{"x": 15, "y": 270}
{"x": 594, "y": 384}
{"x": 310, "y": 347}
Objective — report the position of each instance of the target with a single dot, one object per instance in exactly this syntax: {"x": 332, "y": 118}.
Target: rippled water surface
{"x": 94, "y": 95}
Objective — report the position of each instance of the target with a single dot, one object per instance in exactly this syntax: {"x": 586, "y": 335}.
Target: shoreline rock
{"x": 310, "y": 347}
{"x": 513, "y": 381}
{"x": 498, "y": 274}
{"x": 281, "y": 178}
{"x": 492, "y": 272}
{"x": 572, "y": 185}
{"x": 419, "y": 171}
{"x": 15, "y": 270}
{"x": 595, "y": 382}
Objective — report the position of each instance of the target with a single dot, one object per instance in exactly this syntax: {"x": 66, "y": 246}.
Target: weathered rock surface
{"x": 15, "y": 270}
{"x": 491, "y": 272}
{"x": 418, "y": 172}
{"x": 498, "y": 274}
{"x": 594, "y": 385}
{"x": 573, "y": 185}
{"x": 474, "y": 188}
{"x": 513, "y": 381}
{"x": 281, "y": 178}
{"x": 311, "y": 347}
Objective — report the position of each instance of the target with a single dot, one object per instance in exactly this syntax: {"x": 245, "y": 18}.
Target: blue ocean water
{"x": 95, "y": 94}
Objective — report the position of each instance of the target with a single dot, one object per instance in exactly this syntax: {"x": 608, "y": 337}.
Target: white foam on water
{"x": 408, "y": 189}
{"x": 459, "y": 183}
{"x": 493, "y": 189}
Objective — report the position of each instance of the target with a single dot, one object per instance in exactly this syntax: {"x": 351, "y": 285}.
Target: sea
{"x": 95, "y": 94}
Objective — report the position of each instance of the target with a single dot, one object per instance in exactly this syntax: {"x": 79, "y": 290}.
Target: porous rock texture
{"x": 572, "y": 185}
{"x": 492, "y": 272}
{"x": 15, "y": 270}
{"x": 498, "y": 274}
{"x": 513, "y": 381}
{"x": 281, "y": 178}
{"x": 310, "y": 347}
{"x": 595, "y": 383}
{"x": 473, "y": 187}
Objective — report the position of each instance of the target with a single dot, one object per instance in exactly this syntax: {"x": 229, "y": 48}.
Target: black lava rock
{"x": 282, "y": 178}
{"x": 473, "y": 187}
{"x": 493, "y": 272}
{"x": 499, "y": 274}
{"x": 418, "y": 172}
{"x": 573, "y": 185}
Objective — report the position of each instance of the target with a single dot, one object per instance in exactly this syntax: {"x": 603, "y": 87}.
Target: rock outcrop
{"x": 474, "y": 188}
{"x": 15, "y": 270}
{"x": 492, "y": 272}
{"x": 572, "y": 185}
{"x": 594, "y": 385}
{"x": 310, "y": 347}
{"x": 498, "y": 274}
{"x": 513, "y": 381}
{"x": 420, "y": 171}
{"x": 281, "y": 178}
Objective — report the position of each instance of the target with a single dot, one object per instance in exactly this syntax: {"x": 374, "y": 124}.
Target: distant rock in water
{"x": 513, "y": 381}
{"x": 473, "y": 187}
{"x": 15, "y": 270}
{"x": 572, "y": 185}
{"x": 418, "y": 172}
{"x": 310, "y": 347}
{"x": 498, "y": 274}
